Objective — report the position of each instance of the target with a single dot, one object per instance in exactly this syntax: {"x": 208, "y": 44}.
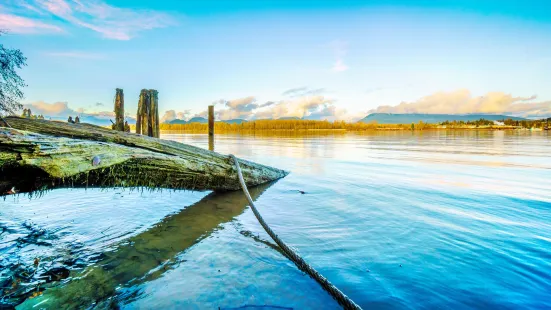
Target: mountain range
{"x": 389, "y": 118}
{"x": 380, "y": 118}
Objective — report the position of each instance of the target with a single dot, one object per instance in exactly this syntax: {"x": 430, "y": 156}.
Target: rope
{"x": 339, "y": 296}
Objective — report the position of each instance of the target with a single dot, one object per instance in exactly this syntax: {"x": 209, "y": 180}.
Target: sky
{"x": 270, "y": 59}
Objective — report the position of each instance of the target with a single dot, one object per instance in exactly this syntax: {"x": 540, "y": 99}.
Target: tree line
{"x": 260, "y": 125}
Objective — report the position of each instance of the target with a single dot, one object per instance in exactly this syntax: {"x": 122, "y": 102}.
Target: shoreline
{"x": 168, "y": 131}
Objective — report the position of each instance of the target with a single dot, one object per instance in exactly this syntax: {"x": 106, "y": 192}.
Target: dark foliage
{"x": 10, "y": 82}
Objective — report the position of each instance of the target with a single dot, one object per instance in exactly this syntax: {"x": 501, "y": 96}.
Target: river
{"x": 396, "y": 220}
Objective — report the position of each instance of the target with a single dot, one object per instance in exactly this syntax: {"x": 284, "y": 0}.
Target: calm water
{"x": 396, "y": 220}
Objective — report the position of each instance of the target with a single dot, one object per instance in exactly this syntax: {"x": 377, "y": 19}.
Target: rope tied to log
{"x": 339, "y": 296}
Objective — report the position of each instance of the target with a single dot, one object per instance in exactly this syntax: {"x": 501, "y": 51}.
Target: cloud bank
{"x": 463, "y": 102}
{"x": 301, "y": 102}
{"x": 56, "y": 109}
{"x": 61, "y": 110}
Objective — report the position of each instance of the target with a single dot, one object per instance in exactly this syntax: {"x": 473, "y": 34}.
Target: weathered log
{"x": 40, "y": 154}
{"x": 119, "y": 110}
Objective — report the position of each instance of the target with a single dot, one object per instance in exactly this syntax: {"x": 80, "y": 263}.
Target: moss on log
{"x": 40, "y": 155}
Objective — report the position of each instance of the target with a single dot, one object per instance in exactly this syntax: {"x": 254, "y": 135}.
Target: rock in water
{"x": 96, "y": 161}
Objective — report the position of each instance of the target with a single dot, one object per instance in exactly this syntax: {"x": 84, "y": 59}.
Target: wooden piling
{"x": 154, "y": 113}
{"x": 211, "y": 143}
{"x": 119, "y": 110}
{"x": 142, "y": 118}
{"x": 147, "y": 119}
{"x": 211, "y": 120}
{"x": 141, "y": 103}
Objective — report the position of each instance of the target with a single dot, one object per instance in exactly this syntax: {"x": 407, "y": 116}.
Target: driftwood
{"x": 40, "y": 155}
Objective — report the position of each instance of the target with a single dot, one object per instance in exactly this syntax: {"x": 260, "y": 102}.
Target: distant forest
{"x": 260, "y": 125}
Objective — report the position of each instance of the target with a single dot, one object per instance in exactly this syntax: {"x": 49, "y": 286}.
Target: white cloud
{"x": 314, "y": 107}
{"x": 339, "y": 66}
{"x": 171, "y": 115}
{"x": 311, "y": 107}
{"x": 168, "y": 116}
{"x": 23, "y": 25}
{"x": 303, "y": 91}
{"x": 340, "y": 49}
{"x": 110, "y": 21}
{"x": 56, "y": 109}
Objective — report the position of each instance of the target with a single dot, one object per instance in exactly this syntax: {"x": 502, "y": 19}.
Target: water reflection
{"x": 211, "y": 143}
{"x": 146, "y": 256}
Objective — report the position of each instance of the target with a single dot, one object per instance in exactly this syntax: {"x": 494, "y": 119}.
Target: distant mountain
{"x": 235, "y": 121}
{"x": 203, "y": 120}
{"x": 289, "y": 118}
{"x": 176, "y": 121}
{"x": 198, "y": 119}
{"x": 389, "y": 118}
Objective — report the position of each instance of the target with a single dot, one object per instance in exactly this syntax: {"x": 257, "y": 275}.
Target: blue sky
{"x": 342, "y": 58}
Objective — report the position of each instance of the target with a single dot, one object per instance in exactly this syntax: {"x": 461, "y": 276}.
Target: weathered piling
{"x": 211, "y": 120}
{"x": 119, "y": 110}
{"x": 140, "y": 112}
{"x": 142, "y": 118}
{"x": 154, "y": 113}
{"x": 211, "y": 143}
{"x": 147, "y": 118}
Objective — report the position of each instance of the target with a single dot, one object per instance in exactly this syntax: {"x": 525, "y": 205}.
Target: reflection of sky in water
{"x": 467, "y": 214}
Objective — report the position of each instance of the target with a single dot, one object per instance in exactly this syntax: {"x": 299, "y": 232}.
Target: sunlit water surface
{"x": 395, "y": 220}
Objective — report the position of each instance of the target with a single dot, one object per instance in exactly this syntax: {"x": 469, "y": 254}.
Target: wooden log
{"x": 211, "y": 120}
{"x": 58, "y": 154}
{"x": 119, "y": 110}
